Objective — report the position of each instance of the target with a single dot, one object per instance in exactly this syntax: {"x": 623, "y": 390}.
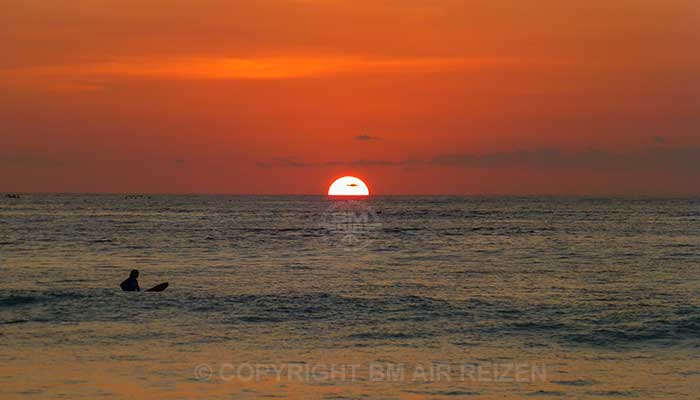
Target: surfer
{"x": 131, "y": 284}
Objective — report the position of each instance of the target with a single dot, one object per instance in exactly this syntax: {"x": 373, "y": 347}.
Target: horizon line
{"x": 587, "y": 195}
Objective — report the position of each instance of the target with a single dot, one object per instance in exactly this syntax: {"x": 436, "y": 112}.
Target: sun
{"x": 348, "y": 186}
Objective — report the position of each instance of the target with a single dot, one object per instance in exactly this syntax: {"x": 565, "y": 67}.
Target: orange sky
{"x": 424, "y": 96}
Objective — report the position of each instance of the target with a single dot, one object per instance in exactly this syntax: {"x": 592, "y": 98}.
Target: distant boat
{"x": 12, "y": 196}
{"x": 136, "y": 196}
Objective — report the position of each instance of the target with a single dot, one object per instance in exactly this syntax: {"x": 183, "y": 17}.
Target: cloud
{"x": 682, "y": 159}
{"x": 381, "y": 163}
{"x": 292, "y": 162}
{"x": 31, "y": 160}
{"x": 88, "y": 76}
{"x": 367, "y": 137}
{"x": 676, "y": 158}
{"x": 283, "y": 162}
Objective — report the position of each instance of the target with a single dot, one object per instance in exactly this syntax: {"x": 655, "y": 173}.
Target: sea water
{"x": 306, "y": 297}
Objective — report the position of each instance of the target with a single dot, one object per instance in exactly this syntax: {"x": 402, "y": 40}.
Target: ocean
{"x": 306, "y": 297}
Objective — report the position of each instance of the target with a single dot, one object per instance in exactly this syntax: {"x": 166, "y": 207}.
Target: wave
{"x": 320, "y": 307}
{"x": 664, "y": 332}
{"x": 13, "y": 300}
{"x": 14, "y": 321}
{"x": 102, "y": 240}
{"x": 377, "y": 318}
{"x": 385, "y": 336}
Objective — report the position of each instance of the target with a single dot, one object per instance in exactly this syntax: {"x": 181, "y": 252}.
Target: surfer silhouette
{"x": 131, "y": 284}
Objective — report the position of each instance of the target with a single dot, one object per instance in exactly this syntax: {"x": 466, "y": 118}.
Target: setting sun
{"x": 348, "y": 186}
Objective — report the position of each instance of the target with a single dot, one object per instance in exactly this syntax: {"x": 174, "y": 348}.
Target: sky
{"x": 413, "y": 96}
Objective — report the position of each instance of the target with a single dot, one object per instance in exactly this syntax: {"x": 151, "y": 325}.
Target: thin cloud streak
{"x": 241, "y": 68}
{"x": 687, "y": 159}
{"x": 591, "y": 159}
{"x": 284, "y": 162}
{"x": 31, "y": 161}
{"x": 366, "y": 138}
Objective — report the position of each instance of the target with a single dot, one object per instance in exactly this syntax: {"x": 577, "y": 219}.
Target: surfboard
{"x": 158, "y": 288}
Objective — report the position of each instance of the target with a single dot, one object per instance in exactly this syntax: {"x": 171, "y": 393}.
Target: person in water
{"x": 131, "y": 284}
